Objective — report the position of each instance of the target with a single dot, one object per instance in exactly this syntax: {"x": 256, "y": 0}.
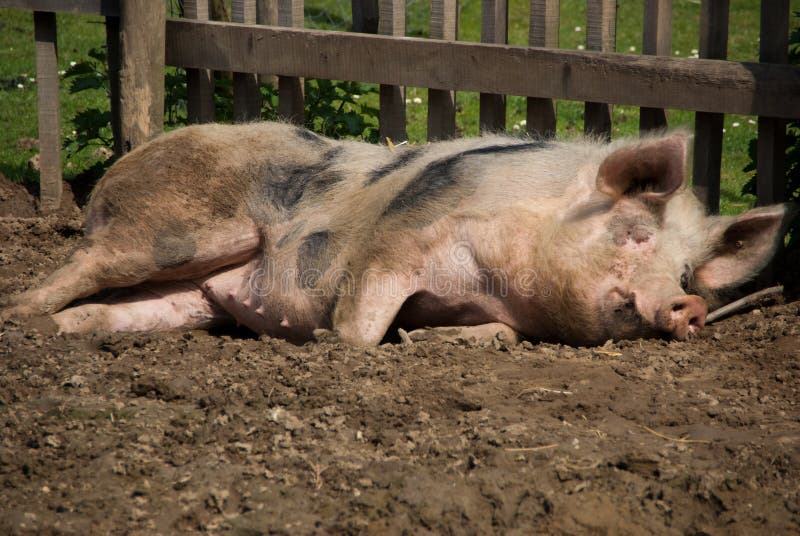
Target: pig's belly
{"x": 430, "y": 310}
{"x": 235, "y": 290}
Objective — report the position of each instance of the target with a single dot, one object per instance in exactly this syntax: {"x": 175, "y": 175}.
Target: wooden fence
{"x": 139, "y": 36}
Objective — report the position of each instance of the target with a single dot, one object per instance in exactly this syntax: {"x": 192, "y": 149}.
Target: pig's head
{"x": 641, "y": 256}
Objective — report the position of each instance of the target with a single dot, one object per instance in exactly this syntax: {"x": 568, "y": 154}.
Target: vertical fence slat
{"x": 49, "y": 110}
{"x": 199, "y": 82}
{"x": 601, "y": 34}
{"x": 545, "y": 18}
{"x": 714, "y": 15}
{"x": 141, "y": 74}
{"x": 771, "y": 176}
{"x": 494, "y": 29}
{"x": 112, "y": 54}
{"x": 442, "y": 103}
{"x": 366, "y": 16}
{"x": 656, "y": 41}
{"x": 246, "y": 94}
{"x": 392, "y": 98}
{"x": 290, "y": 88}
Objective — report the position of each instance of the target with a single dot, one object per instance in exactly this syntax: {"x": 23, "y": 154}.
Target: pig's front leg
{"x": 456, "y": 334}
{"x": 362, "y": 317}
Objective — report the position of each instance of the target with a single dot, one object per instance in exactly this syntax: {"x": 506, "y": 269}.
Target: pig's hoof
{"x": 44, "y": 324}
{"x": 326, "y": 335}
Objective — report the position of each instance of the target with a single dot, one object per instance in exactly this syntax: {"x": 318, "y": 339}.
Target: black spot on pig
{"x": 285, "y": 186}
{"x": 314, "y": 256}
{"x": 173, "y": 245}
{"x": 309, "y": 136}
{"x": 505, "y": 149}
{"x": 401, "y": 161}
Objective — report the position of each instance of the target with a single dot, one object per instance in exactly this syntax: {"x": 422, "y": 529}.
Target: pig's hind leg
{"x": 116, "y": 257}
{"x": 148, "y": 308}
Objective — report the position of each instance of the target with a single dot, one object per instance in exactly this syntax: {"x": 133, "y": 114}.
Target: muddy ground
{"x": 224, "y": 432}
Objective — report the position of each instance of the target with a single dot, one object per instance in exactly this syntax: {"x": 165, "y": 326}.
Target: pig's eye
{"x": 686, "y": 277}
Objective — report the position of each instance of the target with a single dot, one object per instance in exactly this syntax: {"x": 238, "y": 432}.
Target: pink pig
{"x": 286, "y": 232}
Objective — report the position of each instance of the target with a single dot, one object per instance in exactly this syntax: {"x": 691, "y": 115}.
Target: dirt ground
{"x": 224, "y": 432}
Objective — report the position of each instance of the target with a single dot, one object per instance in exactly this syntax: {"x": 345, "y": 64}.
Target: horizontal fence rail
{"x": 769, "y": 90}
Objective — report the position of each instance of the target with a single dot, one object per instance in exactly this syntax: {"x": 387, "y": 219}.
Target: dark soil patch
{"x": 224, "y": 433}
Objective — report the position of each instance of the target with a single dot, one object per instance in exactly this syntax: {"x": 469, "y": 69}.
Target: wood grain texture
{"x": 680, "y": 83}
{"x": 544, "y": 22}
{"x": 601, "y": 35}
{"x": 392, "y": 114}
{"x": 141, "y": 76}
{"x": 706, "y": 177}
{"x": 291, "y": 101}
{"x": 199, "y": 82}
{"x": 441, "y": 100}
{"x": 656, "y": 41}
{"x": 49, "y": 111}
{"x": 773, "y": 48}
{"x": 494, "y": 29}
{"x": 246, "y": 94}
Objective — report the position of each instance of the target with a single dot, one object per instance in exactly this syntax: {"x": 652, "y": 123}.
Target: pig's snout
{"x": 682, "y": 315}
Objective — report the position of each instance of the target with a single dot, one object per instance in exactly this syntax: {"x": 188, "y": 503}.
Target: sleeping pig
{"x": 287, "y": 233}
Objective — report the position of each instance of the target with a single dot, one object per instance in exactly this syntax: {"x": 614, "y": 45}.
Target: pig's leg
{"x": 149, "y": 308}
{"x": 115, "y": 258}
{"x": 483, "y": 332}
{"x": 363, "y": 317}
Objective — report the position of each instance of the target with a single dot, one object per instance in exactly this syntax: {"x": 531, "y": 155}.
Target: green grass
{"x": 77, "y": 34}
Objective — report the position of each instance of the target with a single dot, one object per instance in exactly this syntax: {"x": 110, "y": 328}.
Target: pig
{"x": 291, "y": 234}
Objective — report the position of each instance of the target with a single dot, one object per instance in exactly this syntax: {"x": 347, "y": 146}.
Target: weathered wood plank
{"x": 679, "y": 83}
{"x": 291, "y": 102}
{"x": 141, "y": 76}
{"x": 366, "y": 16}
{"x": 656, "y": 41}
{"x": 49, "y": 111}
{"x": 545, "y": 18}
{"x": 441, "y": 100}
{"x": 773, "y": 48}
{"x": 706, "y": 168}
{"x": 199, "y": 82}
{"x": 246, "y": 94}
{"x": 107, "y": 8}
{"x": 112, "y": 55}
{"x": 494, "y": 29}
{"x": 601, "y": 35}
{"x": 392, "y": 116}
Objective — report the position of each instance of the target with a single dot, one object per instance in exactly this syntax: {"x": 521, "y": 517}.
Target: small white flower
{"x": 516, "y": 127}
{"x": 408, "y": 101}
{"x": 695, "y": 51}
{"x": 31, "y": 79}
{"x": 724, "y": 131}
{"x": 677, "y": 52}
{"x": 74, "y": 132}
{"x": 62, "y": 73}
{"x": 524, "y": 122}
{"x": 751, "y": 121}
{"x": 632, "y": 48}
{"x": 417, "y": 100}
{"x": 736, "y": 124}
{"x": 581, "y": 47}
{"x": 20, "y": 86}
{"x": 578, "y": 29}
{"x": 356, "y": 97}
{"x": 693, "y": 56}
{"x": 73, "y": 63}
{"x": 98, "y": 75}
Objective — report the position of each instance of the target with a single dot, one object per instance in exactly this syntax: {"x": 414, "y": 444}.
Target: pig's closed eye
{"x": 686, "y": 278}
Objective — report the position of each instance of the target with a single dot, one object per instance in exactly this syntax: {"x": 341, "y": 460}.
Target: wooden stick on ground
{"x": 742, "y": 303}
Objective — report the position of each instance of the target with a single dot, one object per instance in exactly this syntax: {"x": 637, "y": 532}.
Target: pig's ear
{"x": 652, "y": 169}
{"x": 743, "y": 245}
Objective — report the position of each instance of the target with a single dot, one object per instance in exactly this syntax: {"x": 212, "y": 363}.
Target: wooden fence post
{"x": 707, "y": 163}
{"x": 442, "y": 103}
{"x": 494, "y": 29}
{"x": 656, "y": 41}
{"x": 246, "y": 93}
{"x": 291, "y": 104}
{"x": 601, "y": 34}
{"x": 392, "y": 98}
{"x": 541, "y": 113}
{"x": 771, "y": 175}
{"x": 49, "y": 111}
{"x": 199, "y": 82}
{"x": 141, "y": 75}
